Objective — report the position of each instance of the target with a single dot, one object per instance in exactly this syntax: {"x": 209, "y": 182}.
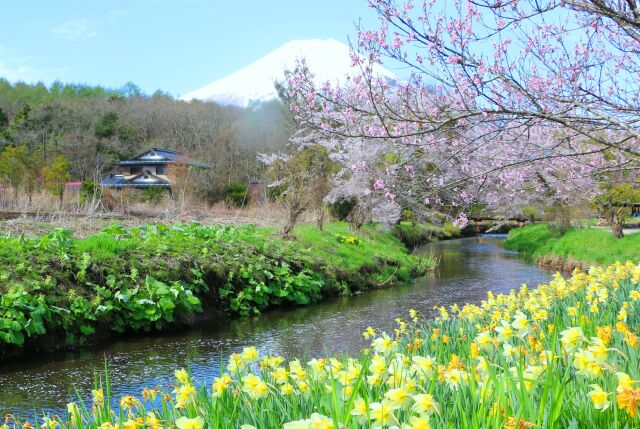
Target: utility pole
{"x": 44, "y": 149}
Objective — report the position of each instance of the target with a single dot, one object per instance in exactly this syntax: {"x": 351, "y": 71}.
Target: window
{"x": 135, "y": 170}
{"x": 161, "y": 170}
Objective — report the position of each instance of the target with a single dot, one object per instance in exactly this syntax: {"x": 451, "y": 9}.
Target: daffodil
{"x": 397, "y": 397}
{"x": 133, "y": 423}
{"x": 570, "y": 337}
{"x": 152, "y": 421}
{"x": 316, "y": 421}
{"x": 359, "y": 410}
{"x": 455, "y": 377}
{"x": 417, "y": 422}
{"x": 629, "y": 400}
{"x": 72, "y": 409}
{"x": 250, "y": 354}
{"x": 187, "y": 423}
{"x": 220, "y": 384}
{"x": 424, "y": 404}
{"x": 182, "y": 376}
{"x": 255, "y": 386}
{"x": 98, "y": 396}
{"x": 624, "y": 382}
{"x": 505, "y": 331}
{"x": 599, "y": 397}
{"x": 381, "y": 413}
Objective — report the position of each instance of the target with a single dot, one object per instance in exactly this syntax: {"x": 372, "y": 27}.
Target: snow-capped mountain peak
{"x": 329, "y": 60}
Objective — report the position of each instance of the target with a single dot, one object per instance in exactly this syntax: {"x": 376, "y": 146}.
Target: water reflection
{"x": 469, "y": 267}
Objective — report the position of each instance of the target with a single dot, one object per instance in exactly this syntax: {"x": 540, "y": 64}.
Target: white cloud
{"x": 76, "y": 29}
{"x": 22, "y": 69}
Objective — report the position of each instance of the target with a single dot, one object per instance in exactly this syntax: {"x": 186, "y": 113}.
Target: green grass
{"x": 377, "y": 245}
{"x": 585, "y": 245}
{"x": 379, "y": 259}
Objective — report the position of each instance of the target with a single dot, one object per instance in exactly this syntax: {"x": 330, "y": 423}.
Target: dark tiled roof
{"x": 162, "y": 156}
{"x": 142, "y": 180}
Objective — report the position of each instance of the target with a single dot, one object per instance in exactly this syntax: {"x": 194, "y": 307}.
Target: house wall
{"x": 156, "y": 170}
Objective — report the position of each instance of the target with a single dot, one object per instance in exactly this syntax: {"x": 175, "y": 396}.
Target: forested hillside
{"x": 92, "y": 127}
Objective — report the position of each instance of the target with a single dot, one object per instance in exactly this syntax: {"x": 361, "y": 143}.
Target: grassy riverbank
{"x": 564, "y": 355}
{"x": 416, "y": 234}
{"x": 59, "y": 291}
{"x": 575, "y": 248}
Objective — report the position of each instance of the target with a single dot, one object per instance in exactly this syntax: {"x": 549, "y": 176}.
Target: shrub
{"x": 153, "y": 195}
{"x": 450, "y": 230}
{"x": 341, "y": 209}
{"x": 408, "y": 216}
{"x": 236, "y": 194}
{"x": 530, "y": 212}
{"x": 89, "y": 191}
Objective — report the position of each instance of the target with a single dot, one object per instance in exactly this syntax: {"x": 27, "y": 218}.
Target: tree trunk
{"x": 320, "y": 218}
{"x": 616, "y": 225}
{"x": 294, "y": 213}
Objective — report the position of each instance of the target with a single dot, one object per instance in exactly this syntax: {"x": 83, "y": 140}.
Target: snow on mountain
{"x": 328, "y": 59}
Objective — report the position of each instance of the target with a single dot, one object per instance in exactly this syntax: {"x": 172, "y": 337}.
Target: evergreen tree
{"x": 56, "y": 175}
{"x": 107, "y": 126}
{"x": 4, "y": 120}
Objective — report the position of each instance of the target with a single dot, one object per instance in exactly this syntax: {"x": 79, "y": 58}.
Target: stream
{"x": 469, "y": 267}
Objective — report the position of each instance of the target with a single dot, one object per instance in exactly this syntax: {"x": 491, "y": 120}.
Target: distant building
{"x": 257, "y": 192}
{"x": 154, "y": 168}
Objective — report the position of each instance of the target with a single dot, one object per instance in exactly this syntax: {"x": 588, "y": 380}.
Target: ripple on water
{"x": 469, "y": 267}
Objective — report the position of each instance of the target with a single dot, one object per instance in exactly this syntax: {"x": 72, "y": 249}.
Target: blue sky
{"x": 172, "y": 45}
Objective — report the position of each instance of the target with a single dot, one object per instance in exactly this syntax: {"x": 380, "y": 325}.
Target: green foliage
{"x": 89, "y": 191}
{"x": 381, "y": 260}
{"x": 127, "y": 133}
{"x": 155, "y": 276}
{"x": 305, "y": 181}
{"x": 19, "y": 168}
{"x": 236, "y": 194}
{"x": 614, "y": 204}
{"x": 107, "y": 126}
{"x": 80, "y": 123}
{"x": 153, "y": 195}
{"x": 587, "y": 245}
{"x": 4, "y": 120}
{"x": 530, "y": 212}
{"x": 408, "y": 216}
{"x": 341, "y": 209}
{"x": 56, "y": 175}
{"x": 23, "y": 115}
{"x": 444, "y": 372}
{"x": 450, "y": 230}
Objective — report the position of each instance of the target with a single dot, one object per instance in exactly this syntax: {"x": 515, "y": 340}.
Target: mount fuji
{"x": 329, "y": 60}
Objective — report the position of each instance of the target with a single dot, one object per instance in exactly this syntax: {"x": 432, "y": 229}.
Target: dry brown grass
{"x": 41, "y": 222}
{"x": 560, "y": 263}
{"x": 41, "y": 212}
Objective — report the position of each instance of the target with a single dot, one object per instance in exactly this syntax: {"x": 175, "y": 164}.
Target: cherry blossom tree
{"x": 506, "y": 101}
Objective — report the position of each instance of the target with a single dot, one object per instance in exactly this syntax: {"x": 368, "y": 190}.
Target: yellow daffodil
{"x": 425, "y": 404}
{"x": 187, "y": 423}
{"x": 599, "y": 397}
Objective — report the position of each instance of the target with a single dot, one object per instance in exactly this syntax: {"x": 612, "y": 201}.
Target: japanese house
{"x": 155, "y": 168}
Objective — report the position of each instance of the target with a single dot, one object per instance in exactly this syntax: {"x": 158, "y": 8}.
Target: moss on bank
{"x": 59, "y": 291}
{"x": 575, "y": 248}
